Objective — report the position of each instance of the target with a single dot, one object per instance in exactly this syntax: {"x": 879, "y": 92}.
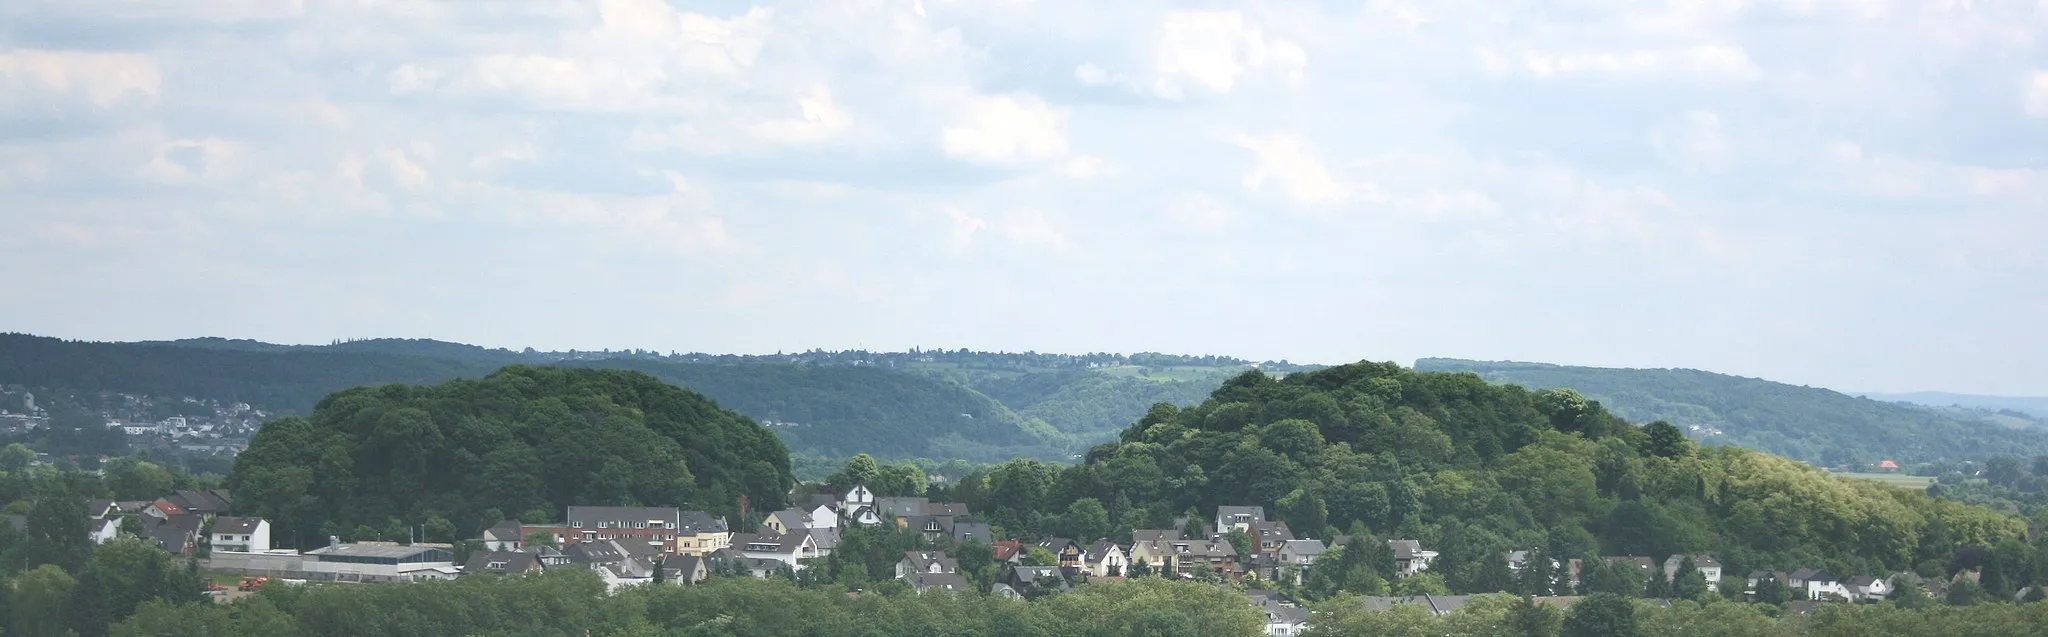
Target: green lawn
{"x": 1899, "y": 480}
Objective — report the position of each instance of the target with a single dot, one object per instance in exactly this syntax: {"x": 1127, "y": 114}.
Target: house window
{"x": 575, "y": 525}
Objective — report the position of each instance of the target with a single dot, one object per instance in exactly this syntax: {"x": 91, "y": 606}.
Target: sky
{"x": 1842, "y": 193}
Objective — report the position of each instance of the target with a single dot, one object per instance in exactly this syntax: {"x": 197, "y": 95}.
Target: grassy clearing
{"x": 1899, "y": 480}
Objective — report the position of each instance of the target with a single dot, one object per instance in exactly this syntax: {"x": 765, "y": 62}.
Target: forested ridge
{"x": 524, "y": 441}
{"x": 1803, "y": 423}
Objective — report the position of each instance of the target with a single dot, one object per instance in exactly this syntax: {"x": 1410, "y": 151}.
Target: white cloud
{"x": 99, "y": 78}
{"x": 1707, "y": 62}
{"x": 1288, "y": 165}
{"x": 1088, "y": 167}
{"x": 1006, "y": 129}
{"x": 2036, "y": 89}
{"x": 1031, "y": 228}
{"x": 1206, "y": 53}
{"x": 819, "y": 119}
{"x": 1695, "y": 143}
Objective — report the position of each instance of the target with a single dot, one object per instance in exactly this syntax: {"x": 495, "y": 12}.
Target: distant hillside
{"x": 1805, "y": 423}
{"x": 2036, "y": 406}
{"x": 943, "y": 404}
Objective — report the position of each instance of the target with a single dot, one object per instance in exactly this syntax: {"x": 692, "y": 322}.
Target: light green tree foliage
{"x": 39, "y": 601}
{"x": 1602, "y": 615}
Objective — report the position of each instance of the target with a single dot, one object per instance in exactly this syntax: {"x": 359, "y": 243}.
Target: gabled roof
{"x": 1006, "y": 550}
{"x": 791, "y": 519}
{"x": 1056, "y": 544}
{"x": 100, "y": 508}
{"x": 1302, "y": 547}
{"x": 1154, "y": 535}
{"x": 236, "y": 526}
{"x": 506, "y": 531}
{"x": 1805, "y": 574}
{"x": 789, "y": 544}
{"x": 1641, "y": 563}
{"x": 922, "y": 561}
{"x": 602, "y": 552}
{"x": 1100, "y": 550}
{"x": 1272, "y": 531}
{"x": 1861, "y": 581}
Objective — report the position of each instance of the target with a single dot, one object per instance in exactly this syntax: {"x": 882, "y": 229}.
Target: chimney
{"x": 333, "y": 541}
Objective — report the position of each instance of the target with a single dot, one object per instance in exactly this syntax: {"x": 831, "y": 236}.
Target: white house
{"x": 823, "y": 517}
{"x": 105, "y": 529}
{"x": 1105, "y": 559}
{"x": 1823, "y": 586}
{"x": 855, "y": 499}
{"x": 915, "y": 562}
{"x": 1865, "y": 588}
{"x": 1285, "y": 620}
{"x": 1239, "y": 518}
{"x": 240, "y": 535}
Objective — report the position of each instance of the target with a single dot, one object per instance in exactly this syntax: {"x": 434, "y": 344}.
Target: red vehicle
{"x": 252, "y": 583}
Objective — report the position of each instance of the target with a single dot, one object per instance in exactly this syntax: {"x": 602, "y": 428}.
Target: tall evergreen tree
{"x": 1688, "y": 582}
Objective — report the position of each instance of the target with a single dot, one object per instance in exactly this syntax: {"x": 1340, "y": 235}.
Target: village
{"x": 628, "y": 546}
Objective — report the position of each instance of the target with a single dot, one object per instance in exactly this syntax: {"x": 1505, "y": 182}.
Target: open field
{"x": 1899, "y": 480}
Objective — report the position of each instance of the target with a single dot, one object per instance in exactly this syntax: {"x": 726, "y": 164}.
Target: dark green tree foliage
{"x": 1666, "y": 441}
{"x": 1771, "y": 591}
{"x": 1602, "y": 615}
{"x": 520, "y": 439}
{"x": 1525, "y": 618}
{"x": 123, "y": 575}
{"x": 55, "y": 531}
{"x": 1966, "y": 592}
{"x": 38, "y": 602}
{"x": 1687, "y": 582}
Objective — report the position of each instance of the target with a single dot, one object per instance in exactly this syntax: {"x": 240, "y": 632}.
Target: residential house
{"x": 1184, "y": 555}
{"x": 1864, "y": 588}
{"x": 656, "y": 526}
{"x": 1260, "y": 565}
{"x": 964, "y": 532}
{"x": 240, "y": 535}
{"x": 1154, "y": 548}
{"x": 785, "y": 521}
{"x": 1271, "y": 534}
{"x": 943, "y": 582}
{"x": 1010, "y": 551}
{"x": 1759, "y": 576}
{"x": 1409, "y": 557}
{"x": 1299, "y": 553}
{"x": 1797, "y": 579}
{"x": 1564, "y": 575}
{"x": 1285, "y": 620}
{"x": 613, "y": 561}
{"x": 915, "y": 562}
{"x": 932, "y": 527}
{"x": 823, "y": 541}
{"x": 1435, "y": 604}
{"x": 502, "y": 563}
{"x": 916, "y": 506}
{"x": 855, "y": 499}
{"x": 104, "y": 530}
{"x": 1239, "y": 518}
{"x": 686, "y": 569}
{"x": 1029, "y": 582}
{"x": 788, "y": 550}
{"x": 206, "y": 504}
{"x": 101, "y": 509}
{"x": 178, "y": 534}
{"x": 1105, "y": 559}
{"x": 505, "y": 536}
{"x": 697, "y": 533}
{"x": 1709, "y": 568}
{"x": 1823, "y": 586}
{"x": 823, "y": 517}
{"x": 1068, "y": 551}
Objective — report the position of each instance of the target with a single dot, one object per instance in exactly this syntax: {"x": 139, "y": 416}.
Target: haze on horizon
{"x": 1844, "y": 193}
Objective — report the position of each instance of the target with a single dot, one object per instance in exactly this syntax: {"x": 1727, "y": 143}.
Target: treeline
{"x": 1093, "y": 406}
{"x": 1803, "y": 423}
{"x": 2004, "y": 483}
{"x": 1475, "y": 471}
{"x": 524, "y": 442}
{"x": 573, "y": 602}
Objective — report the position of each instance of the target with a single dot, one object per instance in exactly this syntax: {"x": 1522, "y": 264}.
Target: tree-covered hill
{"x": 1804, "y": 423}
{"x": 902, "y": 404}
{"x": 524, "y": 441}
{"x": 843, "y": 410}
{"x": 1475, "y": 470}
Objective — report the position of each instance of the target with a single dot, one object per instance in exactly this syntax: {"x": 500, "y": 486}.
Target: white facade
{"x": 105, "y": 530}
{"x": 824, "y": 517}
{"x": 252, "y": 540}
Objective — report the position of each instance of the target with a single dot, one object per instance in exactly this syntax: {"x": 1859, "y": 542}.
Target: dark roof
{"x": 170, "y": 535}
{"x": 603, "y": 552}
{"x": 1226, "y": 512}
{"x": 377, "y": 550}
{"x": 1100, "y": 549}
{"x": 1056, "y": 544}
{"x": 99, "y": 508}
{"x": 506, "y": 561}
{"x": 922, "y": 582}
{"x": 975, "y": 531}
{"x": 234, "y": 525}
{"x": 1438, "y": 604}
{"x": 1155, "y": 535}
{"x": 1407, "y": 549}
{"x": 211, "y": 501}
{"x": 699, "y": 522}
{"x": 590, "y": 516}
{"x": 1805, "y": 574}
{"x": 506, "y": 531}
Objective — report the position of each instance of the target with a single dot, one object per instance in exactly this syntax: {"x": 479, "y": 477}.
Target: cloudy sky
{"x": 1848, "y": 193}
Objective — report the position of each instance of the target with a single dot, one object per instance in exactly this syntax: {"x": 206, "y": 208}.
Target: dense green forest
{"x": 1478, "y": 470}
{"x": 1803, "y": 423}
{"x": 524, "y": 441}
